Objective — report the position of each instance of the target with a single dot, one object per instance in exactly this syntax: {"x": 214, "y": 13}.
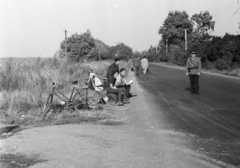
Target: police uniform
{"x": 193, "y": 69}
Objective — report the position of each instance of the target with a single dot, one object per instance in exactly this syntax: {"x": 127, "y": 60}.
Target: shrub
{"x": 235, "y": 72}
{"x": 221, "y": 64}
{"x": 175, "y": 55}
{"x": 165, "y": 57}
{"x": 208, "y": 65}
{"x": 179, "y": 57}
{"x": 153, "y": 58}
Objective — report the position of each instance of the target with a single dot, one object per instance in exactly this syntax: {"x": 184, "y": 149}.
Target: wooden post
{"x": 99, "y": 55}
{"x": 65, "y": 42}
{"x": 166, "y": 45}
{"x": 186, "y": 39}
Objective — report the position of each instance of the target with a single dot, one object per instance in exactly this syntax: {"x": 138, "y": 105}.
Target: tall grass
{"x": 25, "y": 84}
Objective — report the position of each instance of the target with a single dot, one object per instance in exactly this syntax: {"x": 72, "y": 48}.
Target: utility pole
{"x": 65, "y": 42}
{"x": 166, "y": 45}
{"x": 99, "y": 55}
{"x": 186, "y": 39}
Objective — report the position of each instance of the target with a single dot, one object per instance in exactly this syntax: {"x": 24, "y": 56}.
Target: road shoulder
{"x": 203, "y": 71}
{"x": 139, "y": 140}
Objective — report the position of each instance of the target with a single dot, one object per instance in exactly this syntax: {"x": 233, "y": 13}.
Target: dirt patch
{"x": 15, "y": 161}
{"x": 7, "y": 131}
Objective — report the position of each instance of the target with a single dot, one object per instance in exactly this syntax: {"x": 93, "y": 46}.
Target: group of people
{"x": 117, "y": 83}
{"x": 137, "y": 64}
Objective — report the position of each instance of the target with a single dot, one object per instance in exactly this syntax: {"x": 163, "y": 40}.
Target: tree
{"x": 121, "y": 50}
{"x": 174, "y": 26}
{"x": 79, "y": 46}
{"x": 136, "y": 54}
{"x": 100, "y": 50}
{"x": 203, "y": 24}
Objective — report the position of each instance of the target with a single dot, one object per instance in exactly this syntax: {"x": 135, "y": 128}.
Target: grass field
{"x": 25, "y": 84}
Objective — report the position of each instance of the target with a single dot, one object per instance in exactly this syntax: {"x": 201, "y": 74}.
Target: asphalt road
{"x": 211, "y": 120}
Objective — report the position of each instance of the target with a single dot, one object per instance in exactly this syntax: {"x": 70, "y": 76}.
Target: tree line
{"x": 215, "y": 52}
{"x": 84, "y": 46}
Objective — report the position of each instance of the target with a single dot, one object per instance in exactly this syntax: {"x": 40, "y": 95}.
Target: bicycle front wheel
{"x": 47, "y": 105}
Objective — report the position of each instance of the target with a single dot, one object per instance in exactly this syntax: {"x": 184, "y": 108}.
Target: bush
{"x": 179, "y": 57}
{"x": 235, "y": 72}
{"x": 208, "y": 65}
{"x": 153, "y": 58}
{"x": 175, "y": 55}
{"x": 164, "y": 57}
{"x": 221, "y": 64}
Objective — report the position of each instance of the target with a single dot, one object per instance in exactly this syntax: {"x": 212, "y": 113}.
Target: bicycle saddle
{"x": 75, "y": 82}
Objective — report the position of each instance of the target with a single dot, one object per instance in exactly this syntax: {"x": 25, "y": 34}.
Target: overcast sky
{"x": 33, "y": 28}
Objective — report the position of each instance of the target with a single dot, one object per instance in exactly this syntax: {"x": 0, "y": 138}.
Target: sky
{"x": 35, "y": 28}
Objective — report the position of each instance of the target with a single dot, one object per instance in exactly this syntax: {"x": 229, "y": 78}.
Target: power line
{"x": 227, "y": 9}
{"x": 224, "y": 7}
{"x": 43, "y": 14}
{"x": 236, "y": 11}
{"x": 225, "y": 12}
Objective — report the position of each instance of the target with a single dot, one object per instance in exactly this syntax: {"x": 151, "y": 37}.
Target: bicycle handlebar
{"x": 55, "y": 82}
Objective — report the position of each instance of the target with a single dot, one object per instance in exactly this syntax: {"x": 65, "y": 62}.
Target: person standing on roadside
{"x": 193, "y": 69}
{"x": 136, "y": 64}
{"x": 144, "y": 64}
{"x": 113, "y": 68}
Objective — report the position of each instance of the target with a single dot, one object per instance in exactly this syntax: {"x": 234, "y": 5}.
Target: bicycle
{"x": 80, "y": 99}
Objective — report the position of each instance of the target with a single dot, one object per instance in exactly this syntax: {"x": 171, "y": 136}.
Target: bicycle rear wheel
{"x": 47, "y": 105}
{"x": 86, "y": 99}
{"x": 78, "y": 101}
{"x": 93, "y": 99}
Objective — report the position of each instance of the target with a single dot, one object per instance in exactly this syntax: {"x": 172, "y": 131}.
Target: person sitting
{"x": 112, "y": 89}
{"x": 121, "y": 82}
{"x": 94, "y": 82}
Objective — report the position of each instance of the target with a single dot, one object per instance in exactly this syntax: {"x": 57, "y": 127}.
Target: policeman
{"x": 193, "y": 69}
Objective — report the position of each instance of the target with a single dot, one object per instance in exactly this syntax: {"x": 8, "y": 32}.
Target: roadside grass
{"x": 233, "y": 72}
{"x": 25, "y": 85}
{"x": 110, "y": 115}
{"x": 230, "y": 72}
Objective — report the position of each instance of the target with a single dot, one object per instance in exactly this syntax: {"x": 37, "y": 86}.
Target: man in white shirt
{"x": 144, "y": 64}
{"x": 121, "y": 82}
{"x": 112, "y": 89}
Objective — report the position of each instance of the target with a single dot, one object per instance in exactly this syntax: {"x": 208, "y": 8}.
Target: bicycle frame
{"x": 60, "y": 95}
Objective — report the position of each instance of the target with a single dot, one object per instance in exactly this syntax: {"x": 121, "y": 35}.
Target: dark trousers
{"x": 127, "y": 88}
{"x": 136, "y": 69}
{"x": 119, "y": 92}
{"x": 194, "y": 82}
